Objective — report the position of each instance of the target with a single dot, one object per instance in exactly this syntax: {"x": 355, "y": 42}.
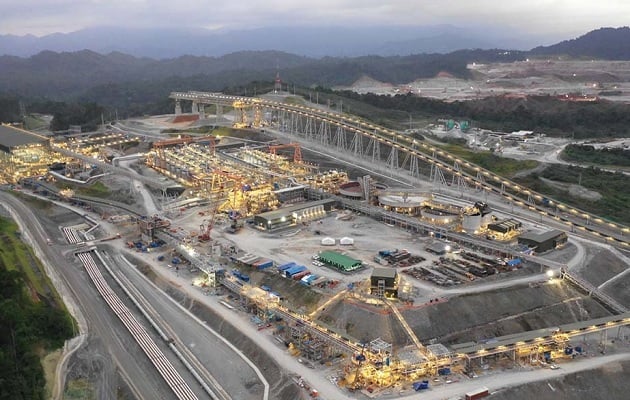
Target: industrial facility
{"x": 541, "y": 242}
{"x": 293, "y": 215}
{"x": 268, "y": 190}
{"x": 384, "y": 282}
{"x": 23, "y": 154}
{"x": 248, "y": 180}
{"x": 339, "y": 261}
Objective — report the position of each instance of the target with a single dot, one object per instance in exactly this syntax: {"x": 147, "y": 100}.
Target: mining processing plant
{"x": 270, "y": 190}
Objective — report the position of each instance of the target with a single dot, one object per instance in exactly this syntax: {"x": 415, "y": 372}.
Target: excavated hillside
{"x": 468, "y": 317}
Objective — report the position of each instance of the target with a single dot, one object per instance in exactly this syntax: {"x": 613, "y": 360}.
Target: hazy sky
{"x": 545, "y": 17}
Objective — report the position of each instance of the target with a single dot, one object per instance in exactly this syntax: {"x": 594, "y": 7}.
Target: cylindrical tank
{"x": 438, "y": 216}
{"x": 403, "y": 202}
{"x": 471, "y": 223}
{"x": 351, "y": 189}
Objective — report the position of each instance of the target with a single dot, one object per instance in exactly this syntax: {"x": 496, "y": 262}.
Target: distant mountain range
{"x": 114, "y": 76}
{"x": 62, "y": 75}
{"x": 310, "y": 41}
{"x": 604, "y": 43}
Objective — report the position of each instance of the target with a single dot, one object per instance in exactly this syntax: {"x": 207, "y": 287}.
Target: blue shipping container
{"x": 295, "y": 270}
{"x": 286, "y": 266}
{"x": 265, "y": 265}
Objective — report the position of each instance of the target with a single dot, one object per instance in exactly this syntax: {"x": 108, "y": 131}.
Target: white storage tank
{"x": 471, "y": 223}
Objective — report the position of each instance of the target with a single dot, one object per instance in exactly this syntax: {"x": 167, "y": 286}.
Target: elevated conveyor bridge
{"x": 361, "y": 139}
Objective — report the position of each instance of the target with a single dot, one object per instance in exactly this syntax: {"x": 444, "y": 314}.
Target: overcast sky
{"x": 545, "y": 17}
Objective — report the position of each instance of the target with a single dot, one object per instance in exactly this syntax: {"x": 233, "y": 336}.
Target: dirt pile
{"x": 600, "y": 265}
{"x": 469, "y": 317}
{"x": 502, "y": 312}
{"x": 365, "y": 323}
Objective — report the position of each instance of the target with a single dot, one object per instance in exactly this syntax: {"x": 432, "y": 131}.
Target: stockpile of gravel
{"x": 502, "y": 312}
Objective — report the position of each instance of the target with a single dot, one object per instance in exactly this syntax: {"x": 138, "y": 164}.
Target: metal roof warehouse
{"x": 340, "y": 261}
{"x": 388, "y": 273}
{"x": 292, "y": 215}
{"x": 543, "y": 241}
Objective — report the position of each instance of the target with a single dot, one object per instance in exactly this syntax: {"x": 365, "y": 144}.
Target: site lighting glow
{"x": 550, "y": 274}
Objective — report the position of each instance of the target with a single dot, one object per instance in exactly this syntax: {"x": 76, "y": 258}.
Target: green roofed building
{"x": 339, "y": 261}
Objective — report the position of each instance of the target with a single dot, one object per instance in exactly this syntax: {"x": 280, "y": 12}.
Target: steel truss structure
{"x": 363, "y": 140}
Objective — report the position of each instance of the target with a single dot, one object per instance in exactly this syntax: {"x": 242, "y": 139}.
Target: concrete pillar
{"x": 219, "y": 112}
{"x": 202, "y": 111}
{"x": 178, "y": 107}
{"x": 195, "y": 108}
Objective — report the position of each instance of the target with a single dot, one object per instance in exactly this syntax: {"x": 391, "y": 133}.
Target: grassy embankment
{"x": 79, "y": 389}
{"x": 97, "y": 189}
{"x": 613, "y": 187}
{"x": 295, "y": 100}
{"x": 506, "y": 167}
{"x": 33, "y": 319}
{"x": 34, "y": 122}
{"x": 585, "y": 154}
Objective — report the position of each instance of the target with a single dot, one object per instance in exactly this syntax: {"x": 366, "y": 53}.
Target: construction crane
{"x": 297, "y": 152}
{"x": 204, "y": 230}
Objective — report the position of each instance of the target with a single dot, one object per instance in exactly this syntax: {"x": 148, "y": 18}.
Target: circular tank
{"x": 351, "y": 189}
{"x": 402, "y": 198}
{"x": 471, "y": 223}
{"x": 438, "y": 216}
{"x": 404, "y": 202}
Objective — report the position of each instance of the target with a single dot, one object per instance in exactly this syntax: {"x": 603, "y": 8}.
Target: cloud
{"x": 534, "y": 16}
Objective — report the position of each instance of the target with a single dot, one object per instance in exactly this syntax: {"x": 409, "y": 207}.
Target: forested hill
{"x": 61, "y": 75}
{"x": 604, "y": 43}
{"x": 64, "y": 75}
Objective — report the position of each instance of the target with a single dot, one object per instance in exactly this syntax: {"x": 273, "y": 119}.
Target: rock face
{"x": 607, "y": 383}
